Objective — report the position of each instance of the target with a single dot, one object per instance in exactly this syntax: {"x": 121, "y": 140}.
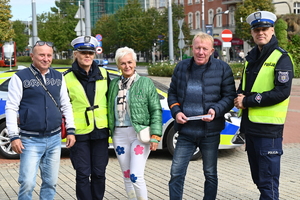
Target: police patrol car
{"x": 230, "y": 137}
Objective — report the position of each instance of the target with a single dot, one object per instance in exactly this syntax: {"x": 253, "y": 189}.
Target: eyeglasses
{"x": 87, "y": 52}
{"x": 42, "y": 43}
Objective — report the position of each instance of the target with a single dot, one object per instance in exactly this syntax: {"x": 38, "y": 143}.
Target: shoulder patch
{"x": 283, "y": 77}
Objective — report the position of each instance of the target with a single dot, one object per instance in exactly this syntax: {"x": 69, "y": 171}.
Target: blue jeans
{"x": 42, "y": 152}
{"x": 185, "y": 147}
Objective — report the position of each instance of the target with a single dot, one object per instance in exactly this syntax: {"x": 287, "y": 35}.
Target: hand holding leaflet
{"x": 199, "y": 117}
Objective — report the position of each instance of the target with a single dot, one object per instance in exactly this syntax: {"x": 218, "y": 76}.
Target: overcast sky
{"x": 22, "y": 9}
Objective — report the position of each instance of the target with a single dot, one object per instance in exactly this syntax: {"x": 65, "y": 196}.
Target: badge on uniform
{"x": 258, "y": 98}
{"x": 283, "y": 77}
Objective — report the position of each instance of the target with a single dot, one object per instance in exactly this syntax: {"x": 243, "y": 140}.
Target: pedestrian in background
{"x": 133, "y": 106}
{"x": 263, "y": 98}
{"x": 87, "y": 87}
{"x": 212, "y": 94}
{"x": 33, "y": 121}
{"x": 216, "y": 54}
{"x": 242, "y": 56}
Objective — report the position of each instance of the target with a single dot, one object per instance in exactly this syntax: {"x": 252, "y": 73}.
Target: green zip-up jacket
{"x": 143, "y": 102}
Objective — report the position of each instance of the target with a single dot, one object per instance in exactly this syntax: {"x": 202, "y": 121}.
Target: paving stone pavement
{"x": 233, "y": 169}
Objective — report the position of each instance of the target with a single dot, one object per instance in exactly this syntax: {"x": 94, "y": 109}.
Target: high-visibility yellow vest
{"x": 275, "y": 114}
{"x": 86, "y": 116}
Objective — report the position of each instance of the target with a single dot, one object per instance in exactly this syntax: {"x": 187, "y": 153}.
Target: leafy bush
{"x": 294, "y": 49}
{"x": 24, "y": 59}
{"x": 62, "y": 62}
{"x": 237, "y": 69}
{"x": 165, "y": 69}
{"x": 54, "y": 61}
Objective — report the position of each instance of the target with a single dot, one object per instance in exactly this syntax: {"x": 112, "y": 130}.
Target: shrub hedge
{"x": 166, "y": 69}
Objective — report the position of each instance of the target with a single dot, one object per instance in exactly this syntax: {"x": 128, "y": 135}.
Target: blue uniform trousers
{"x": 89, "y": 159}
{"x": 264, "y": 158}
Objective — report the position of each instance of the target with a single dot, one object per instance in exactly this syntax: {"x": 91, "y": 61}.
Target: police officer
{"x": 87, "y": 87}
{"x": 263, "y": 98}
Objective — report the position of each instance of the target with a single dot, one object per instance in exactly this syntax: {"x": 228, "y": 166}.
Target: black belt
{"x": 121, "y": 126}
{"x": 89, "y": 109}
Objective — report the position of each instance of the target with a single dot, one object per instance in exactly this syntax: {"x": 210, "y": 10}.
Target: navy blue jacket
{"x": 218, "y": 91}
{"x": 279, "y": 93}
{"x": 44, "y": 118}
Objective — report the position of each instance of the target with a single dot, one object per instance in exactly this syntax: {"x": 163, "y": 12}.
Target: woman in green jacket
{"x": 133, "y": 106}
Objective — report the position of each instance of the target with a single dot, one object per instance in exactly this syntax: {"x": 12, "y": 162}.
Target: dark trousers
{"x": 264, "y": 158}
{"x": 89, "y": 159}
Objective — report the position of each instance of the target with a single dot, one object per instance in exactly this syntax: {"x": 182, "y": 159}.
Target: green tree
{"x": 107, "y": 26}
{"x": 6, "y": 31}
{"x": 243, "y": 10}
{"x": 21, "y": 37}
{"x": 281, "y": 33}
{"x": 177, "y": 14}
{"x": 58, "y": 26}
{"x": 130, "y": 26}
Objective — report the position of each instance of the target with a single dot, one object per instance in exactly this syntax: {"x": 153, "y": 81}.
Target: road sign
{"x": 99, "y": 50}
{"x": 226, "y": 35}
{"x": 99, "y": 37}
{"x": 80, "y": 13}
{"x": 181, "y": 44}
{"x": 80, "y": 28}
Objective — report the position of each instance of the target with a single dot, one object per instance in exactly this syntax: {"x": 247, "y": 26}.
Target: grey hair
{"x": 204, "y": 36}
{"x": 123, "y": 51}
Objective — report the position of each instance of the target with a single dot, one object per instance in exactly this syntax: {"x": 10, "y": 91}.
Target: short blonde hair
{"x": 123, "y": 51}
{"x": 204, "y": 36}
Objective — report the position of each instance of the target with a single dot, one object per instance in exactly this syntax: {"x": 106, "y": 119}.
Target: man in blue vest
{"x": 33, "y": 121}
{"x": 263, "y": 97}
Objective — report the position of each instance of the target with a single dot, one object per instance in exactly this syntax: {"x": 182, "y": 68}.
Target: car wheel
{"x": 5, "y": 145}
{"x": 171, "y": 144}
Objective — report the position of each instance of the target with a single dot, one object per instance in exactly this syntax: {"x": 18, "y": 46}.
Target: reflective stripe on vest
{"x": 275, "y": 114}
{"x": 86, "y": 115}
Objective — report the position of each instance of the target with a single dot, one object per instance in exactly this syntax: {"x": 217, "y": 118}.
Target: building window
{"x": 162, "y": 3}
{"x": 296, "y": 7}
{"x": 182, "y": 2}
{"x": 197, "y": 25}
{"x": 197, "y": 1}
{"x": 190, "y": 2}
{"x": 190, "y": 20}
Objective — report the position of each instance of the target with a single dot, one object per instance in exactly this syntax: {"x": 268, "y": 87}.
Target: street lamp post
{"x": 225, "y": 12}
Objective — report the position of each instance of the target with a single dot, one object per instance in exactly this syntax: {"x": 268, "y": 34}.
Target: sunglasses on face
{"x": 86, "y": 52}
{"x": 42, "y": 43}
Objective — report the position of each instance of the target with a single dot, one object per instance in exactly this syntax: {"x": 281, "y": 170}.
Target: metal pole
{"x": 34, "y": 24}
{"x": 81, "y": 28}
{"x": 203, "y": 30}
{"x": 87, "y": 17}
{"x": 171, "y": 51}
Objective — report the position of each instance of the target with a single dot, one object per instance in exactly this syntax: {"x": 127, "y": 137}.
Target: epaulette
{"x": 66, "y": 72}
{"x": 281, "y": 50}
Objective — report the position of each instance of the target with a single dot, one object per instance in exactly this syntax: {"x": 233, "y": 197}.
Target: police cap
{"x": 261, "y": 19}
{"x": 85, "y": 43}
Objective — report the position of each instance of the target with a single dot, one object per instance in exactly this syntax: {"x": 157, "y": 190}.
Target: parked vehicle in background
{"x": 101, "y": 62}
{"x": 8, "y": 54}
{"x": 230, "y": 137}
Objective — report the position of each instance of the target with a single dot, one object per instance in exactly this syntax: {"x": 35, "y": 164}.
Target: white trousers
{"x": 132, "y": 156}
